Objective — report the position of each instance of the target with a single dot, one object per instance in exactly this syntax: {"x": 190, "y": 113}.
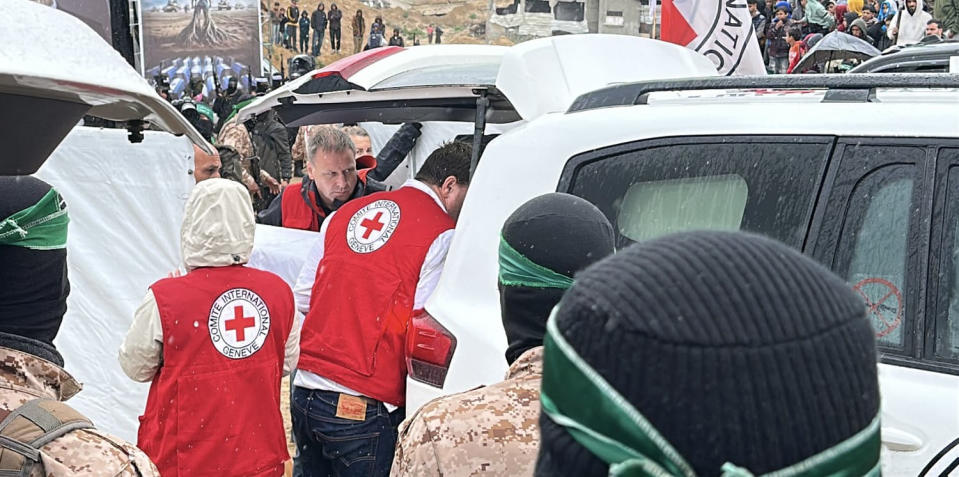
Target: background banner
{"x": 206, "y": 39}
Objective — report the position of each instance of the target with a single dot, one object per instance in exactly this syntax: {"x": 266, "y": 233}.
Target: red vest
{"x": 297, "y": 214}
{"x": 376, "y": 244}
{"x": 214, "y": 405}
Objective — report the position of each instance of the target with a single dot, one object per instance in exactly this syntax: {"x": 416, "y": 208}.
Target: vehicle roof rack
{"x": 840, "y": 87}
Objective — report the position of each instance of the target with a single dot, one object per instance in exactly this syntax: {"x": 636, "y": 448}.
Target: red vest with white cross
{"x": 366, "y": 283}
{"x": 214, "y": 406}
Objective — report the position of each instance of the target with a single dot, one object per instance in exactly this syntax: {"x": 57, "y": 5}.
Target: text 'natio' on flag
{"x": 720, "y": 30}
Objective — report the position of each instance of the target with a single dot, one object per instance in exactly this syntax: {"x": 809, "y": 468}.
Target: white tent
{"x": 125, "y": 203}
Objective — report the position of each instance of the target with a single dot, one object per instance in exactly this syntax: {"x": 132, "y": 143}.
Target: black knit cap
{"x": 735, "y": 347}
{"x": 563, "y": 233}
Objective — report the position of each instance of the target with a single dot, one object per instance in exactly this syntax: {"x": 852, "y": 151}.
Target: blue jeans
{"x": 333, "y": 446}
{"x": 318, "y": 35}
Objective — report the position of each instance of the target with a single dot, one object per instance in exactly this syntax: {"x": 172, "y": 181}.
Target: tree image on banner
{"x": 202, "y": 31}
{"x": 721, "y": 30}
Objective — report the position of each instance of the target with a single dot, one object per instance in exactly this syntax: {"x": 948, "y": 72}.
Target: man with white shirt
{"x": 377, "y": 260}
{"x": 909, "y": 25}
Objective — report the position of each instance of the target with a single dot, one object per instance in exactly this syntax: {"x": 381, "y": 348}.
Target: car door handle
{"x": 899, "y": 440}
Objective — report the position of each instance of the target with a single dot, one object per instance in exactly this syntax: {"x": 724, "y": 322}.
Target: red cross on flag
{"x": 721, "y": 30}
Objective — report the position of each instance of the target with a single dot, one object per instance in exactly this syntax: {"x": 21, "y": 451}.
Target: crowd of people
{"x": 289, "y": 22}
{"x": 787, "y": 29}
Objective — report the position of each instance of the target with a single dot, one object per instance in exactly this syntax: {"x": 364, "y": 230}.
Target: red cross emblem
{"x": 239, "y": 323}
{"x": 372, "y": 225}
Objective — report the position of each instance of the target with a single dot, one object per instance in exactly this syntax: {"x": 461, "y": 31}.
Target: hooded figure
{"x": 860, "y": 24}
{"x": 840, "y": 13}
{"x": 887, "y": 9}
{"x": 33, "y": 383}
{"x": 225, "y": 101}
{"x": 709, "y": 353}
{"x": 909, "y": 26}
{"x": 540, "y": 234}
{"x": 215, "y": 342}
{"x": 493, "y": 430}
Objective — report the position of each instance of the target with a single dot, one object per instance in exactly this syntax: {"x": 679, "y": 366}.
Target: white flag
{"x": 721, "y": 30}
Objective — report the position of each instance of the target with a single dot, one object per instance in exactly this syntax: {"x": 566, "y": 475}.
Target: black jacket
{"x": 272, "y": 146}
{"x": 395, "y": 150}
{"x": 223, "y": 106}
{"x": 396, "y": 41}
{"x": 334, "y": 17}
{"x": 319, "y": 20}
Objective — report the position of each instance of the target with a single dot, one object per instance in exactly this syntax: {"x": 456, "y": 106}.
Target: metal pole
{"x": 653, "y": 16}
{"x": 482, "y": 103}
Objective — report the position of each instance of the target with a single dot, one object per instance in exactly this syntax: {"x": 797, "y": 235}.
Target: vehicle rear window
{"x": 766, "y": 185}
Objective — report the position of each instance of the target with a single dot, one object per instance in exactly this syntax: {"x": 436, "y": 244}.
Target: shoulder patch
{"x": 372, "y": 226}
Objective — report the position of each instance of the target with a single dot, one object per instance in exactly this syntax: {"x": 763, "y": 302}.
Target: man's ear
{"x": 448, "y": 184}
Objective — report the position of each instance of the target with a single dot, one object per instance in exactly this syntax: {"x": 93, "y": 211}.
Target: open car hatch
{"x": 49, "y": 82}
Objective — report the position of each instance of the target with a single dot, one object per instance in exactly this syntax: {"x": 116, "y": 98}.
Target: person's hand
{"x": 285, "y": 182}
{"x": 894, "y": 30}
{"x": 175, "y": 273}
{"x": 252, "y": 187}
{"x": 273, "y": 185}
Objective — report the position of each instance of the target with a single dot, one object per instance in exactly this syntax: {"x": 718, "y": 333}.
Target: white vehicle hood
{"x": 70, "y": 62}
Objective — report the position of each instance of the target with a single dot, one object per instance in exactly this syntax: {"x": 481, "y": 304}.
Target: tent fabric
{"x": 126, "y": 204}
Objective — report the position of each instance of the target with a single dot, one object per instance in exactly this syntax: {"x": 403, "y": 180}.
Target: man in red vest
{"x": 378, "y": 259}
{"x": 331, "y": 179}
{"x": 215, "y": 342}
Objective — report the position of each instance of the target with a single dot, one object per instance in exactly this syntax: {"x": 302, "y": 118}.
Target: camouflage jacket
{"x": 234, "y": 134}
{"x": 490, "y": 431}
{"x": 84, "y": 452}
{"x": 299, "y": 147}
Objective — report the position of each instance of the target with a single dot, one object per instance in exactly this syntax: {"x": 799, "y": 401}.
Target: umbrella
{"x": 836, "y": 46}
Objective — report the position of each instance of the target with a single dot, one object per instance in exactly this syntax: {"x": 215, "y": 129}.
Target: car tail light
{"x": 429, "y": 350}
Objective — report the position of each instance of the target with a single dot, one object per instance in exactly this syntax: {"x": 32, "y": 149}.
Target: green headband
{"x": 42, "y": 226}
{"x": 237, "y": 107}
{"x": 205, "y": 110}
{"x": 613, "y": 430}
{"x": 517, "y": 270}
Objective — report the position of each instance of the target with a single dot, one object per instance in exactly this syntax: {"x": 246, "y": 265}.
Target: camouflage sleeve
{"x": 235, "y": 135}
{"x": 299, "y": 147}
{"x": 415, "y": 454}
{"x": 91, "y": 452}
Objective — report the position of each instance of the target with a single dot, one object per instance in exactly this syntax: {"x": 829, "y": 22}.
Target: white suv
{"x": 860, "y": 173}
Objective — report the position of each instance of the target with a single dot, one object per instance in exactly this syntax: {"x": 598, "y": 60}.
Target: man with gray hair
{"x": 331, "y": 180}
